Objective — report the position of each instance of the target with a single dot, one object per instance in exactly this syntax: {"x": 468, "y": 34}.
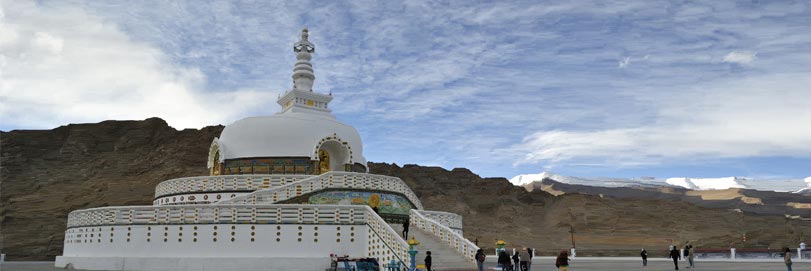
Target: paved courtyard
{"x": 547, "y": 264}
{"x": 625, "y": 264}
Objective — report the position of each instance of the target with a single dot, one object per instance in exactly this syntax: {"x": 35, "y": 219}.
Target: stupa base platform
{"x": 175, "y": 263}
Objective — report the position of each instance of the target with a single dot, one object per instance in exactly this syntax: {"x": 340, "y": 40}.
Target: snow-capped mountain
{"x": 529, "y": 178}
{"x": 786, "y": 185}
{"x": 807, "y": 189}
{"x": 524, "y": 179}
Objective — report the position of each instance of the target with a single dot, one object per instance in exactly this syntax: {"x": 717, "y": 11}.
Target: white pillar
{"x": 732, "y": 253}
{"x": 573, "y": 252}
{"x": 799, "y": 253}
{"x": 681, "y": 253}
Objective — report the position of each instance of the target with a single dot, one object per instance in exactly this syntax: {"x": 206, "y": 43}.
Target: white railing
{"x": 224, "y": 183}
{"x": 450, "y": 220}
{"x": 392, "y": 244}
{"x": 330, "y": 180}
{"x": 213, "y": 214}
{"x": 445, "y": 234}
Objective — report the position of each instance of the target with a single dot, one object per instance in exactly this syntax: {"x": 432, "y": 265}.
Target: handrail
{"x": 217, "y": 214}
{"x": 390, "y": 238}
{"x": 247, "y": 182}
{"x": 444, "y": 233}
{"x": 453, "y": 221}
{"x": 330, "y": 180}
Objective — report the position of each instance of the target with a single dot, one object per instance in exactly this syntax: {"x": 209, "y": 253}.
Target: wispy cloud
{"x": 624, "y": 62}
{"x": 740, "y": 57}
{"x": 757, "y": 116}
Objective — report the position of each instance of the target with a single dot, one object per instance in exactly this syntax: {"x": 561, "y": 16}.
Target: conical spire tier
{"x": 302, "y": 98}
{"x": 303, "y": 75}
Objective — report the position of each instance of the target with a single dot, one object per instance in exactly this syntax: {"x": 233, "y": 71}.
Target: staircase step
{"x": 443, "y": 256}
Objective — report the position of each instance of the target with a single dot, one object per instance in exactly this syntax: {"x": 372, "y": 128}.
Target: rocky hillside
{"x": 48, "y": 173}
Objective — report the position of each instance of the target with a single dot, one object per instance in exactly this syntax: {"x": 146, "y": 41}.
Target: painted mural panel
{"x": 386, "y": 203}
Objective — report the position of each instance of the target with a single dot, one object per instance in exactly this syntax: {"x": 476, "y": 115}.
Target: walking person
{"x": 480, "y": 257}
{"x": 428, "y": 260}
{"x": 787, "y": 259}
{"x": 644, "y": 255}
{"x": 562, "y": 262}
{"x": 524, "y": 259}
{"x": 405, "y": 229}
{"x": 516, "y": 261}
{"x": 674, "y": 254}
{"x": 690, "y": 256}
{"x": 531, "y": 253}
{"x": 504, "y": 261}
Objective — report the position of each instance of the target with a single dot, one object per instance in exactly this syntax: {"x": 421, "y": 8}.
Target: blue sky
{"x": 581, "y": 88}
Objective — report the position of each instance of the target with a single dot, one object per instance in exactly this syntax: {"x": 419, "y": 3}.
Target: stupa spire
{"x": 303, "y": 75}
{"x": 302, "y": 98}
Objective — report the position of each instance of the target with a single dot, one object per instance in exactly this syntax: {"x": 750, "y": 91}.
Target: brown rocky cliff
{"x": 48, "y": 173}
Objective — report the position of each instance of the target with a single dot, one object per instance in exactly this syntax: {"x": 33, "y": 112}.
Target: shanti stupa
{"x": 285, "y": 192}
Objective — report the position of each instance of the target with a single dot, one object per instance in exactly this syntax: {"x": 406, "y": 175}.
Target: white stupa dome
{"x": 291, "y": 134}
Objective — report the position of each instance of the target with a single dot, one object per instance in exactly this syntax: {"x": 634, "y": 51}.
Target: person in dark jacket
{"x": 405, "y": 229}
{"x": 504, "y": 260}
{"x": 516, "y": 265}
{"x": 562, "y": 262}
{"x": 529, "y": 261}
{"x": 428, "y": 260}
{"x": 674, "y": 254}
{"x": 644, "y": 255}
{"x": 480, "y": 257}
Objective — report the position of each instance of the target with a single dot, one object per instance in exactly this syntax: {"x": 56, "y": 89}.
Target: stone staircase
{"x": 443, "y": 256}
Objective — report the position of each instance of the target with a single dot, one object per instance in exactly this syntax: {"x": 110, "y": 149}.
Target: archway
{"x": 214, "y": 164}
{"x": 332, "y": 156}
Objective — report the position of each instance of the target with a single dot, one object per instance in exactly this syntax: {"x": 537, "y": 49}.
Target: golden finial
{"x": 413, "y": 241}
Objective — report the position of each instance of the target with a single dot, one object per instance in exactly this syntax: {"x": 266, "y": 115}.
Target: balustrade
{"x": 245, "y": 183}
{"x": 445, "y": 234}
{"x": 331, "y": 180}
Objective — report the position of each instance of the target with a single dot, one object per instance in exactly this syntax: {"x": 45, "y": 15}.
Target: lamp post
{"x": 499, "y": 248}
{"x": 412, "y": 251}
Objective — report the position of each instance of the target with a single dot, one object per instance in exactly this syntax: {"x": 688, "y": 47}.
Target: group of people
{"x": 690, "y": 255}
{"x": 521, "y": 260}
{"x": 676, "y": 256}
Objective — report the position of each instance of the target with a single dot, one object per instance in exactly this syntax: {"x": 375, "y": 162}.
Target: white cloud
{"x": 63, "y": 65}
{"x": 47, "y": 42}
{"x": 759, "y": 116}
{"x": 740, "y": 57}
{"x": 624, "y": 62}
